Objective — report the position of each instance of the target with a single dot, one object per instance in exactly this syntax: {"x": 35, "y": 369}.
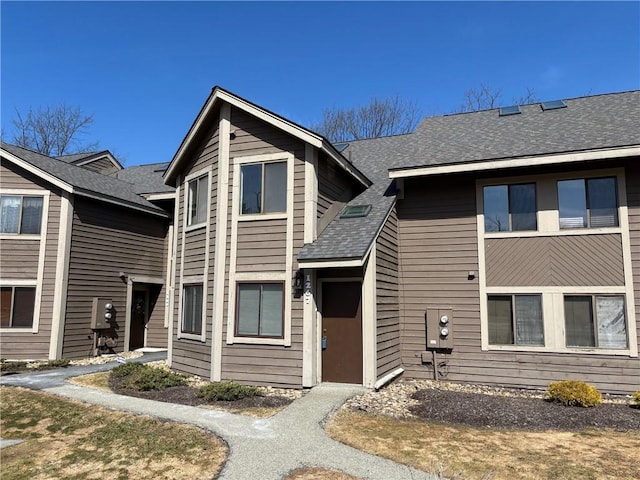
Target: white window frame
{"x": 187, "y": 282}
{"x": 187, "y": 206}
{"x": 45, "y": 209}
{"x": 553, "y": 297}
{"x": 238, "y": 162}
{"x": 262, "y": 282}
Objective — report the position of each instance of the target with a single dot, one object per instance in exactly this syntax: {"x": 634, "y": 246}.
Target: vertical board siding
{"x": 264, "y": 364}
{"x": 194, "y": 356}
{"x": 107, "y": 240}
{"x": 557, "y": 261}
{"x": 19, "y": 260}
{"x": 438, "y": 246}
{"x": 387, "y": 302}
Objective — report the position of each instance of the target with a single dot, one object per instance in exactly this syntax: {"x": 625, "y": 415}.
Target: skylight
{"x": 340, "y": 146}
{"x": 354, "y": 211}
{"x": 512, "y": 110}
{"x": 553, "y": 105}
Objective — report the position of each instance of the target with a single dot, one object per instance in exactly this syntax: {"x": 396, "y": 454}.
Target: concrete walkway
{"x": 258, "y": 448}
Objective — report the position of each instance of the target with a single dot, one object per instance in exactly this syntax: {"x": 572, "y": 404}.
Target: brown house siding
{"x": 19, "y": 260}
{"x": 333, "y": 185}
{"x": 107, "y": 240}
{"x": 438, "y": 247}
{"x": 261, "y": 248}
{"x": 102, "y": 165}
{"x": 194, "y": 356}
{"x": 566, "y": 260}
{"x": 388, "y": 309}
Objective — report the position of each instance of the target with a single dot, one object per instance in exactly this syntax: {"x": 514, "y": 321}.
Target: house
{"x": 495, "y": 247}
{"x": 71, "y": 232}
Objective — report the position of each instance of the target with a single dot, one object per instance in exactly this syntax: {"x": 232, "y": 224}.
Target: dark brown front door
{"x": 342, "y": 332}
{"x": 139, "y": 309}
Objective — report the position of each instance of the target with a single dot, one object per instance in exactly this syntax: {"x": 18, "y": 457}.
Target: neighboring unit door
{"x": 342, "y": 332}
{"x": 139, "y": 313}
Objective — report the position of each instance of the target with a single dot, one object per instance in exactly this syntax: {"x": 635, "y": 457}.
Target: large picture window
{"x": 260, "y": 310}
{"x": 198, "y": 199}
{"x": 596, "y": 321}
{"x": 515, "y": 320}
{"x": 192, "y": 309}
{"x": 20, "y": 214}
{"x": 588, "y": 203}
{"x": 17, "y": 306}
{"x": 263, "y": 188}
{"x": 510, "y": 208}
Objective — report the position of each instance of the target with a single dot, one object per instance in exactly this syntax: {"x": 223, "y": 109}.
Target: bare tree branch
{"x": 53, "y": 131}
{"x": 390, "y": 116}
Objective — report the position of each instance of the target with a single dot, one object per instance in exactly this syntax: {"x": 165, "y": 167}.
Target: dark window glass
{"x": 588, "y": 203}
{"x": 17, "y": 306}
{"x": 603, "y": 202}
{"x": 6, "y": 300}
{"x": 275, "y": 187}
{"x": 510, "y": 208}
{"x": 31, "y": 215}
{"x": 578, "y": 317}
{"x": 606, "y": 327}
{"x": 192, "y": 309}
{"x": 264, "y": 188}
{"x": 198, "y": 200}
{"x": 515, "y": 320}
{"x": 251, "y": 188}
{"x": 260, "y": 310}
{"x": 500, "y": 320}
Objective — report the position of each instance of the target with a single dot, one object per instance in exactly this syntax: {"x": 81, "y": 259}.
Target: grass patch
{"x": 475, "y": 453}
{"x": 69, "y": 440}
{"x": 99, "y": 381}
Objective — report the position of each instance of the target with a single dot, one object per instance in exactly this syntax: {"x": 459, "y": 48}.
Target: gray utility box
{"x": 102, "y": 313}
{"x": 439, "y": 328}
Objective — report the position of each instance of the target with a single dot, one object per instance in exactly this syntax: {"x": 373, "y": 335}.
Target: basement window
{"x": 355, "y": 211}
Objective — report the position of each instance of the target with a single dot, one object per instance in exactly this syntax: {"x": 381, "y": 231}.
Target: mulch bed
{"x": 186, "y": 395}
{"x": 495, "y": 411}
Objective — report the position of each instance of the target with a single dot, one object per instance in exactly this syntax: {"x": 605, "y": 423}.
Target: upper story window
{"x": 510, "y": 208}
{"x": 21, "y": 214}
{"x": 198, "y": 200}
{"x": 263, "y": 188}
{"x": 17, "y": 307}
{"x": 588, "y": 203}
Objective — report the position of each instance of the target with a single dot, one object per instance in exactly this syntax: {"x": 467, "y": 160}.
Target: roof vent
{"x": 512, "y": 110}
{"x": 553, "y": 105}
{"x": 355, "y": 211}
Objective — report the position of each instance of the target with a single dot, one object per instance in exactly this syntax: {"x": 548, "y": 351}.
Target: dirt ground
{"x": 494, "y": 411}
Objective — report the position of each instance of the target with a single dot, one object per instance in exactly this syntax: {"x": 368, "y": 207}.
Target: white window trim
{"x": 45, "y": 207}
{"x": 259, "y": 278}
{"x": 36, "y": 304}
{"x": 194, "y": 176}
{"x": 268, "y": 158}
{"x": 186, "y": 282}
{"x": 552, "y": 297}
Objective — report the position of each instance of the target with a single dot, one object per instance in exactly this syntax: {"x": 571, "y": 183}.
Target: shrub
{"x": 63, "y": 362}
{"x": 636, "y": 398}
{"x": 226, "y": 391}
{"x": 138, "y": 376}
{"x": 574, "y": 393}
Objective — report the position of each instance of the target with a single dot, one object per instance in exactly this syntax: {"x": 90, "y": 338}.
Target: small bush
{"x": 636, "y": 399}
{"x": 138, "y": 376}
{"x": 226, "y": 391}
{"x": 574, "y": 393}
{"x": 63, "y": 362}
{"x": 12, "y": 366}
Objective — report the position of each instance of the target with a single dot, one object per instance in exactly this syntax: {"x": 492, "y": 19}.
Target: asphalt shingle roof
{"x": 74, "y": 157}
{"x": 602, "y": 121}
{"x": 83, "y": 179}
{"x": 145, "y": 178}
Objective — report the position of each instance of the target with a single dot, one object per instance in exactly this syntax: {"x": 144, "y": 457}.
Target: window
{"x": 198, "y": 200}
{"x": 515, "y": 320}
{"x": 601, "y": 327}
{"x": 510, "y": 208}
{"x": 260, "y": 310}
{"x": 16, "y": 307}
{"x": 192, "y": 309}
{"x": 263, "y": 188}
{"x": 20, "y": 214}
{"x": 588, "y": 203}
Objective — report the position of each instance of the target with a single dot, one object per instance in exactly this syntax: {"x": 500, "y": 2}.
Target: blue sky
{"x": 145, "y": 69}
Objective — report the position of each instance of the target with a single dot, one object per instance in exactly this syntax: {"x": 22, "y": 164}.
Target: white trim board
{"x": 529, "y": 161}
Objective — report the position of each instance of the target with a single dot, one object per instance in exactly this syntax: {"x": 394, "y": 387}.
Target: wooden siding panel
{"x": 388, "y": 308}
{"x": 122, "y": 241}
{"x": 101, "y": 165}
{"x": 438, "y": 246}
{"x": 334, "y": 185}
{"x": 19, "y": 260}
{"x": 555, "y": 261}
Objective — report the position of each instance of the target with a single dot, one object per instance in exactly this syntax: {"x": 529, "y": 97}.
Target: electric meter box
{"x": 102, "y": 313}
{"x": 439, "y": 322}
